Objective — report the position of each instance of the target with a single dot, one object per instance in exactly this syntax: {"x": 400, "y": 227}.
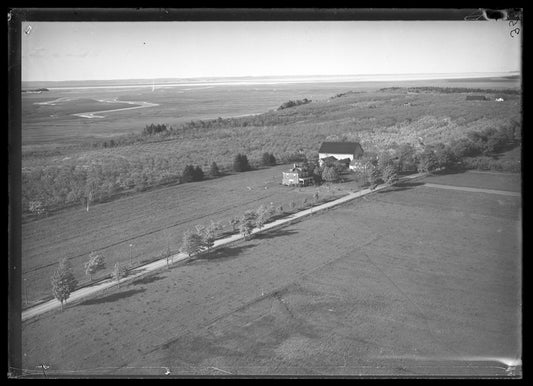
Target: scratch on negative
{"x": 216, "y": 368}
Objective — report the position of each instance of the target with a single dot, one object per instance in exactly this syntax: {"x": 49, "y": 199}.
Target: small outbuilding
{"x": 339, "y": 151}
{"x": 358, "y": 165}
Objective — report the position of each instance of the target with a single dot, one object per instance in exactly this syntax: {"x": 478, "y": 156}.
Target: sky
{"x": 53, "y": 51}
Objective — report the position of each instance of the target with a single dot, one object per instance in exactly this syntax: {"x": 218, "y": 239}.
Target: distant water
{"x": 124, "y": 84}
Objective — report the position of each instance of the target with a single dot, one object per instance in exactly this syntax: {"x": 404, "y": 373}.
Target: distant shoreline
{"x": 250, "y": 81}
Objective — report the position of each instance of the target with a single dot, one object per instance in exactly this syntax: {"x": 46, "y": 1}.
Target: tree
{"x": 96, "y": 263}
{"x": 63, "y": 281}
{"x": 317, "y": 175}
{"x": 188, "y": 174}
{"x": 214, "y": 171}
{"x": 240, "y": 163}
{"x": 247, "y": 223}
{"x": 119, "y": 272}
{"x": 330, "y": 174}
{"x": 268, "y": 159}
{"x": 464, "y": 148}
{"x": 374, "y": 176}
{"x": 192, "y": 243}
{"x": 390, "y": 174}
{"x": 263, "y": 214}
{"x": 198, "y": 174}
{"x": 384, "y": 159}
{"x": 427, "y": 162}
{"x": 91, "y": 186}
{"x": 444, "y": 157}
{"x": 208, "y": 234}
{"x": 406, "y": 157}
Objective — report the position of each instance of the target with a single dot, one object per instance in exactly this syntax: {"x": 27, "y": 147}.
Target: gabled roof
{"x": 341, "y": 148}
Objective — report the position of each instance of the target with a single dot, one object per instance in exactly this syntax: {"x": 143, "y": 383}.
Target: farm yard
{"x": 151, "y": 221}
{"x": 409, "y": 281}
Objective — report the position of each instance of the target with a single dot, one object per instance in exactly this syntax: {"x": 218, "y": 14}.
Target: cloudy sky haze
{"x": 143, "y": 50}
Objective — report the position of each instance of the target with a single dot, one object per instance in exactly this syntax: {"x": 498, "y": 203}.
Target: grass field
{"x": 406, "y": 282}
{"x": 150, "y": 221}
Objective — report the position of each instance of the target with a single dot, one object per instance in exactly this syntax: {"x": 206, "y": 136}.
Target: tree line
{"x": 195, "y": 241}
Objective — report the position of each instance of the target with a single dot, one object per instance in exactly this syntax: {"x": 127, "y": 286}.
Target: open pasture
{"x": 176, "y": 105}
{"x": 151, "y": 221}
{"x": 413, "y": 281}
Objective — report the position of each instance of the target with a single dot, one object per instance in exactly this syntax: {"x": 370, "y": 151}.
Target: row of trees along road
{"x": 64, "y": 282}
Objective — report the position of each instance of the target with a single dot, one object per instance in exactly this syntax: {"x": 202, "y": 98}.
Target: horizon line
{"x": 463, "y": 74}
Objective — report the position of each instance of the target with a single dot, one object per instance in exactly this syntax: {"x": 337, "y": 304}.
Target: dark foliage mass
{"x": 240, "y": 163}
{"x": 292, "y": 103}
{"x": 268, "y": 159}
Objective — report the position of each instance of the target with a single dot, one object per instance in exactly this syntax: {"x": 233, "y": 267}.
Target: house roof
{"x": 341, "y": 148}
{"x": 330, "y": 158}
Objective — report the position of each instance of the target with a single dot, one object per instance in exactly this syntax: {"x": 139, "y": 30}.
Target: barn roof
{"x": 341, "y": 148}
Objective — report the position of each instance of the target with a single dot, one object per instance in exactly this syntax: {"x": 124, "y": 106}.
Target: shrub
{"x": 96, "y": 263}
{"x": 36, "y": 207}
{"x": 330, "y": 174}
{"x": 154, "y": 129}
{"x": 291, "y": 103}
{"x": 317, "y": 175}
{"x": 234, "y": 222}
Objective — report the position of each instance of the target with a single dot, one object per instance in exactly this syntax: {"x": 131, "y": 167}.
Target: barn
{"x": 339, "y": 151}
